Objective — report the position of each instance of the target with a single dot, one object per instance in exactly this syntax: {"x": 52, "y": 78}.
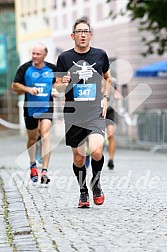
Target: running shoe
{"x": 84, "y": 200}
{"x": 34, "y": 174}
{"x": 44, "y": 178}
{"x": 98, "y": 195}
{"x": 110, "y": 164}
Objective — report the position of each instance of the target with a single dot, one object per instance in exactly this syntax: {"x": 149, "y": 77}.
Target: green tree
{"x": 152, "y": 16}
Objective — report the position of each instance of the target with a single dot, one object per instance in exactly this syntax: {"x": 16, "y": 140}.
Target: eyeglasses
{"x": 79, "y": 32}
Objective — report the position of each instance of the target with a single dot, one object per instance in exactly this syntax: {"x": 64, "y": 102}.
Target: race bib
{"x": 42, "y": 87}
{"x": 84, "y": 92}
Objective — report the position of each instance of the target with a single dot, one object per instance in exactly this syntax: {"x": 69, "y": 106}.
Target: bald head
{"x": 42, "y": 47}
{"x": 39, "y": 52}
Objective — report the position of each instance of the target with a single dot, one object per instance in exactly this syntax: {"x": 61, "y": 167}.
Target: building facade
{"x": 33, "y": 24}
{"x": 120, "y": 38}
{"x": 51, "y": 22}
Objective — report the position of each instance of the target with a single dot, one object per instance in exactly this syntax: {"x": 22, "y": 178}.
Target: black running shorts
{"x": 32, "y": 123}
{"x": 110, "y": 116}
{"x": 76, "y": 135}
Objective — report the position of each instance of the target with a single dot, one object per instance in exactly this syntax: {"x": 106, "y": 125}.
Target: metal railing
{"x": 152, "y": 128}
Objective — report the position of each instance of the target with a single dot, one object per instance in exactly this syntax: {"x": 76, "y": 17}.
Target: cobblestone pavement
{"x": 46, "y": 218}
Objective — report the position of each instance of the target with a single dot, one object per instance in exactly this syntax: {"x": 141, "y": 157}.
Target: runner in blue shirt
{"x": 35, "y": 79}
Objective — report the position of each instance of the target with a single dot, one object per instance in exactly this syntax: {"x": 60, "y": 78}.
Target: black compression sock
{"x": 96, "y": 169}
{"x": 33, "y": 164}
{"x": 39, "y": 138}
{"x": 44, "y": 170}
{"x": 80, "y": 173}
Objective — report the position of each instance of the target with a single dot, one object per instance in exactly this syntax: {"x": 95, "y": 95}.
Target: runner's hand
{"x": 66, "y": 79}
{"x": 55, "y": 93}
{"x": 34, "y": 91}
{"x": 104, "y": 105}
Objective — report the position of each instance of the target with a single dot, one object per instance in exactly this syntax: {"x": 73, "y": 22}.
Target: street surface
{"x": 45, "y": 218}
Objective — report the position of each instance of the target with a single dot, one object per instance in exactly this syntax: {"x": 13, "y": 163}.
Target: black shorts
{"x": 76, "y": 135}
{"x": 32, "y": 123}
{"x": 110, "y": 116}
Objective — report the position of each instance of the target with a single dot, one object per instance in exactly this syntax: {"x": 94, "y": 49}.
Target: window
{"x": 113, "y": 67}
{"x": 87, "y": 12}
{"x": 44, "y": 5}
{"x": 99, "y": 12}
{"x": 74, "y": 15}
{"x": 55, "y": 4}
{"x": 35, "y": 5}
{"x": 64, "y": 4}
{"x": 64, "y": 21}
{"x": 55, "y": 24}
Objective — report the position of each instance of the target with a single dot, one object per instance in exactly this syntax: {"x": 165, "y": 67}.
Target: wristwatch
{"x": 107, "y": 97}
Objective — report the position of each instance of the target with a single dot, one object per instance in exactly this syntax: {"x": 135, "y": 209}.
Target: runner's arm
{"x": 106, "y": 88}
{"x": 107, "y": 83}
{"x": 19, "y": 88}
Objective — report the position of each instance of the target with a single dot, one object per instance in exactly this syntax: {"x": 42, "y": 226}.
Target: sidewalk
{"x": 40, "y": 218}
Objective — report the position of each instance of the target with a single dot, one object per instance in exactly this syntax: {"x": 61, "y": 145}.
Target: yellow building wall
{"x": 33, "y": 19}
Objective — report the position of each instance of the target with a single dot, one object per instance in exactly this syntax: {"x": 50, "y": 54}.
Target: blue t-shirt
{"x": 43, "y": 79}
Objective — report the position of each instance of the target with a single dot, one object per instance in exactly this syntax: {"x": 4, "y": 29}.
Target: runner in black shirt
{"x": 79, "y": 73}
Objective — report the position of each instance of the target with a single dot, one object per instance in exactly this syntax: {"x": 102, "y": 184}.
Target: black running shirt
{"x": 83, "y": 94}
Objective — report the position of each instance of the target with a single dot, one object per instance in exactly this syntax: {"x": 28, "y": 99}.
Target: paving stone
{"x": 132, "y": 219}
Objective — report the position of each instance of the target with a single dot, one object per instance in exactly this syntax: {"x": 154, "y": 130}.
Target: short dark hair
{"x": 84, "y": 20}
{"x": 46, "y": 49}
